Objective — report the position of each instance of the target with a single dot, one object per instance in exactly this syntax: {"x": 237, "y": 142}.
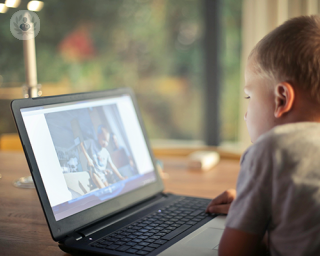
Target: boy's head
{"x": 283, "y": 76}
{"x": 103, "y": 136}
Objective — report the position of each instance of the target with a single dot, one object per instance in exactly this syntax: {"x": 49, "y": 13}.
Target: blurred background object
{"x": 160, "y": 48}
{"x": 35, "y": 6}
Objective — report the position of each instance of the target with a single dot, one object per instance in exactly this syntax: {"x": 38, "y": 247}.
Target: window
{"x": 154, "y": 46}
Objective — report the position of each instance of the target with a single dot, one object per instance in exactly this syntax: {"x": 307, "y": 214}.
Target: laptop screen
{"x": 88, "y": 152}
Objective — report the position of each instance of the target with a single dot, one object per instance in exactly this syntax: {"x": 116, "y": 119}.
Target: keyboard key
{"x": 176, "y": 232}
{"x": 122, "y": 248}
{"x": 154, "y": 245}
{"x": 112, "y": 247}
{"x": 149, "y": 240}
{"x": 148, "y": 249}
{"x": 131, "y": 251}
{"x": 112, "y": 239}
{"x": 196, "y": 212}
{"x": 120, "y": 242}
{"x": 155, "y": 237}
{"x": 142, "y": 252}
{"x": 105, "y": 242}
{"x": 160, "y": 241}
{"x": 131, "y": 243}
{"x": 138, "y": 247}
{"x": 143, "y": 244}
{"x": 137, "y": 240}
{"x": 142, "y": 237}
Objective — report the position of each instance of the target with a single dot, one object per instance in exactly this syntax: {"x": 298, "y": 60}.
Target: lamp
{"x": 3, "y": 8}
{"x": 12, "y": 3}
{"x": 35, "y": 6}
{"x": 32, "y": 87}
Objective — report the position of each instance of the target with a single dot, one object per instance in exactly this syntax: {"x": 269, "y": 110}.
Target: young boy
{"x": 278, "y": 188}
{"x": 99, "y": 158}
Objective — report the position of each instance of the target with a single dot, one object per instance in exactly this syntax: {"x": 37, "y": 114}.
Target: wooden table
{"x": 23, "y": 228}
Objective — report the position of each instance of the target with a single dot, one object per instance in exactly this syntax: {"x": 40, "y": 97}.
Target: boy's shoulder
{"x": 289, "y": 139}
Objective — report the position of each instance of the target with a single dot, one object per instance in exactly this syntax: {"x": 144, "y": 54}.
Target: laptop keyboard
{"x": 156, "y": 229}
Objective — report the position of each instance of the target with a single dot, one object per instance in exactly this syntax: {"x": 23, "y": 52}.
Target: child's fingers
{"x": 222, "y": 208}
{"x": 221, "y": 203}
{"x": 223, "y": 198}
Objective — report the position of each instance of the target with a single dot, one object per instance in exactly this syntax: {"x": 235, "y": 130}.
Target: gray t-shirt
{"x": 278, "y": 189}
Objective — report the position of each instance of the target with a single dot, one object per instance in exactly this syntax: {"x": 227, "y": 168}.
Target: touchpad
{"x": 209, "y": 238}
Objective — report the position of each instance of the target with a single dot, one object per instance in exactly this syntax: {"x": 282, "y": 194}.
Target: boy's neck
{"x": 304, "y": 109}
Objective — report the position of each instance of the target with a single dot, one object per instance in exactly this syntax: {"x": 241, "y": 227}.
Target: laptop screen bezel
{"x": 60, "y": 229}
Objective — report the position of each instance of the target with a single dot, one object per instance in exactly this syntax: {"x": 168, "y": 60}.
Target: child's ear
{"x": 284, "y": 98}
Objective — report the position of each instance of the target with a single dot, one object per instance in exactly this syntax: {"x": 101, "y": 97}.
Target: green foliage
{"x": 153, "y": 46}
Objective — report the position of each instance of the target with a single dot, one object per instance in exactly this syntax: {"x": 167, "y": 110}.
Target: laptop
{"x": 97, "y": 181}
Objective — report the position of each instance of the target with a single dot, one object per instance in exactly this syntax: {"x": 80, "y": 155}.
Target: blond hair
{"x": 291, "y": 53}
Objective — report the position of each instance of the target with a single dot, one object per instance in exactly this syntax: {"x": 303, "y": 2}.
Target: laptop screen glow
{"x": 88, "y": 152}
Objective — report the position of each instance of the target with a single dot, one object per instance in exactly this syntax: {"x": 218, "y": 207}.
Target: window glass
{"x": 231, "y": 59}
{"x": 152, "y": 46}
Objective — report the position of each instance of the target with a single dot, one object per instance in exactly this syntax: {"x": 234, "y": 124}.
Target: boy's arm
{"x": 235, "y": 243}
{"x": 243, "y": 243}
{"x": 90, "y": 162}
{"x": 115, "y": 170}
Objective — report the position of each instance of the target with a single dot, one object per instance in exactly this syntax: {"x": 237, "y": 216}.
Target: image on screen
{"x": 92, "y": 148}
{"x": 89, "y": 152}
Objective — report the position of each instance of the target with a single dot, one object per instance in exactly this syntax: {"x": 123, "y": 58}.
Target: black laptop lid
{"x": 88, "y": 154}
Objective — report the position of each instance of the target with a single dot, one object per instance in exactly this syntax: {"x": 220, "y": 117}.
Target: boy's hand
{"x": 221, "y": 203}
